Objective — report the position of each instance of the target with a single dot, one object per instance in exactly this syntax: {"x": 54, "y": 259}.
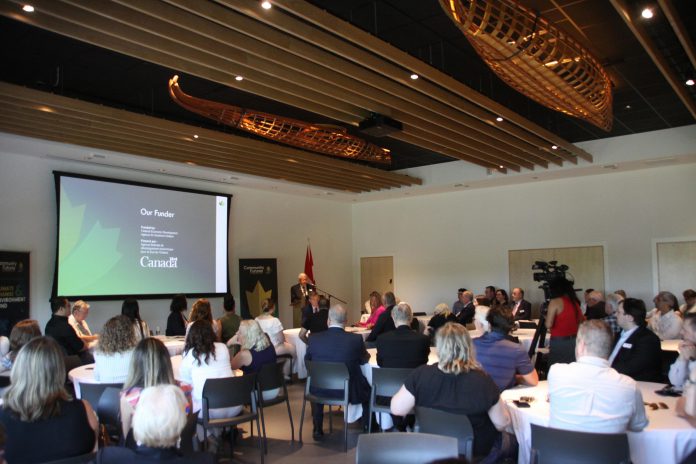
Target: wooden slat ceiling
{"x": 299, "y": 55}
{"x": 40, "y": 114}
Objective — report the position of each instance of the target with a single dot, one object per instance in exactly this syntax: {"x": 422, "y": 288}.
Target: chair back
{"x": 327, "y": 375}
{"x": 81, "y": 459}
{"x": 92, "y": 392}
{"x": 554, "y": 445}
{"x": 452, "y": 425}
{"x": 109, "y": 411}
{"x": 270, "y": 376}
{"x": 387, "y": 381}
{"x": 404, "y": 448}
{"x": 4, "y": 381}
{"x": 227, "y": 392}
{"x": 187, "y": 433}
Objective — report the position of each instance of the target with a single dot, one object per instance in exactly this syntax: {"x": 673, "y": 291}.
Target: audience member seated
{"x": 204, "y": 359}
{"x": 150, "y": 366}
{"x": 521, "y": 308}
{"x": 489, "y": 293}
{"x": 255, "y": 353}
{"x": 317, "y": 322}
{"x": 384, "y": 322}
{"x": 131, "y": 309}
{"x": 611, "y": 307}
{"x": 481, "y": 319}
{"x": 622, "y": 293}
{"x": 689, "y": 305}
{"x": 272, "y": 327}
{"x": 686, "y": 362}
{"x": 78, "y": 321}
{"x": 62, "y": 332}
{"x": 588, "y": 395}
{"x": 586, "y": 299}
{"x": 562, "y": 320}
{"x": 637, "y": 351}
{"x": 157, "y": 426}
{"x": 441, "y": 316}
{"x": 113, "y": 354}
{"x": 202, "y": 311}
{"x": 402, "y": 347}
{"x": 665, "y": 319}
{"x": 337, "y": 345}
{"x": 505, "y": 361}
{"x": 312, "y": 306}
{"x": 458, "y": 385}
{"x": 686, "y": 404}
{"x": 176, "y": 322}
{"x": 466, "y": 315}
{"x": 22, "y": 332}
{"x": 229, "y": 322}
{"x": 458, "y": 305}
{"x": 596, "y": 307}
{"x": 376, "y": 309}
{"x": 501, "y": 299}
{"x": 42, "y": 423}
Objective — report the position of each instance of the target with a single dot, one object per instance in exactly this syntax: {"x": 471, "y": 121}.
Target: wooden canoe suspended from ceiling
{"x": 330, "y": 140}
{"x": 535, "y": 57}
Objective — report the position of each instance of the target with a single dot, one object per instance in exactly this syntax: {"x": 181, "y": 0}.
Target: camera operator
{"x": 562, "y": 320}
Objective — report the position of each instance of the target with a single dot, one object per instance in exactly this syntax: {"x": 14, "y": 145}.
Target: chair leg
{"x": 304, "y": 403}
{"x": 369, "y": 421}
{"x": 261, "y": 439}
{"x": 292, "y": 426}
{"x": 330, "y": 419}
{"x": 263, "y": 429}
{"x": 345, "y": 429}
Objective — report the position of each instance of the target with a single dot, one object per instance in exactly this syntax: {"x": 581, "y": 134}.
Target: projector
{"x": 378, "y": 125}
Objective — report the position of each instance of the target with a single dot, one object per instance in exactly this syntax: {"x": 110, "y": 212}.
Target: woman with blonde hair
{"x": 37, "y": 406}
{"x": 441, "y": 316}
{"x": 272, "y": 327}
{"x": 201, "y": 311}
{"x": 256, "y": 351}
{"x": 113, "y": 353}
{"x": 21, "y": 333}
{"x": 458, "y": 385}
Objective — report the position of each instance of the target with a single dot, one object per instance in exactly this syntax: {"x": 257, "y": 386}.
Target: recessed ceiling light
{"x": 554, "y": 147}
{"x": 499, "y": 119}
{"x": 190, "y": 163}
{"x": 501, "y": 166}
{"x": 239, "y": 78}
{"x": 266, "y": 5}
{"x": 414, "y": 76}
{"x": 628, "y": 107}
{"x": 690, "y": 82}
{"x": 195, "y": 136}
{"x": 647, "y": 13}
{"x": 290, "y": 160}
{"x": 28, "y": 9}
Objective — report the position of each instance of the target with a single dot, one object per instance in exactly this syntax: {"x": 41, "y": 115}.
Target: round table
{"x": 667, "y": 439}
{"x": 175, "y": 345}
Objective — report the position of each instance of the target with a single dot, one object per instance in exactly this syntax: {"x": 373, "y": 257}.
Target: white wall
{"x": 263, "y": 225}
{"x": 445, "y": 241}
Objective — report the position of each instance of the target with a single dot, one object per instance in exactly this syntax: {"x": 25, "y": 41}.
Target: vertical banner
{"x": 14, "y": 289}
{"x": 258, "y": 280}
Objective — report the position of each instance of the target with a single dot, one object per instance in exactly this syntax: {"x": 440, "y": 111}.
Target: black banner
{"x": 258, "y": 280}
{"x": 14, "y": 289}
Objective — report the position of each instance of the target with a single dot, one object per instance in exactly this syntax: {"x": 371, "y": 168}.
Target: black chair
{"x": 81, "y": 459}
{"x": 404, "y": 448}
{"x": 555, "y": 445}
{"x": 92, "y": 392}
{"x": 385, "y": 383}
{"x": 452, "y": 425}
{"x": 270, "y": 377}
{"x": 285, "y": 357}
{"x": 187, "y": 444}
{"x": 327, "y": 376}
{"x": 4, "y": 381}
{"x": 109, "y": 412}
{"x": 228, "y": 392}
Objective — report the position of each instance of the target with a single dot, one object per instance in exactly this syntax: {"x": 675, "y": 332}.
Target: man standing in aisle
{"x": 299, "y": 294}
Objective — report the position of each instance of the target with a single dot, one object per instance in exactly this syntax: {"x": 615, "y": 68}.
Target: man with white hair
{"x": 157, "y": 425}
{"x": 402, "y": 347}
{"x": 337, "y": 345}
{"x": 299, "y": 293}
{"x": 589, "y": 394}
{"x": 596, "y": 308}
{"x": 466, "y": 314}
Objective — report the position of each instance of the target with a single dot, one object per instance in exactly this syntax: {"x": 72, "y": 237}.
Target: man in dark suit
{"x": 521, "y": 308}
{"x": 402, "y": 347}
{"x": 312, "y": 306}
{"x": 317, "y": 321}
{"x": 299, "y": 293}
{"x": 337, "y": 345}
{"x": 596, "y": 307}
{"x": 466, "y": 315}
{"x": 637, "y": 352}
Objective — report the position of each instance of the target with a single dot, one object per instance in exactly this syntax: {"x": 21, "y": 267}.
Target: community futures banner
{"x": 14, "y": 289}
{"x": 258, "y": 280}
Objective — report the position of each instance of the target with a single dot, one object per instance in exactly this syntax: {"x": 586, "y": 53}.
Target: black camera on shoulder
{"x": 547, "y": 272}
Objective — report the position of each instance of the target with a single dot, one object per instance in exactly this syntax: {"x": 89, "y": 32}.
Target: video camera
{"x": 546, "y": 272}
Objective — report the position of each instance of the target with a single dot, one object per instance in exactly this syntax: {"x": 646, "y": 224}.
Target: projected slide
{"x": 123, "y": 239}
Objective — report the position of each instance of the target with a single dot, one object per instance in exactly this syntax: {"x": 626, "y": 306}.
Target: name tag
{"x": 627, "y": 345}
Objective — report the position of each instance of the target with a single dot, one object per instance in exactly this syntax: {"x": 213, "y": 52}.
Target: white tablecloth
{"x": 175, "y": 345}
{"x": 668, "y": 439}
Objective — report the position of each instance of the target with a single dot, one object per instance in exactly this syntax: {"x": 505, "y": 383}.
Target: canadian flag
{"x": 309, "y": 264}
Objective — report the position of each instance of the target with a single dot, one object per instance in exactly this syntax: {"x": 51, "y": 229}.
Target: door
{"x": 676, "y": 267}
{"x": 376, "y": 274}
